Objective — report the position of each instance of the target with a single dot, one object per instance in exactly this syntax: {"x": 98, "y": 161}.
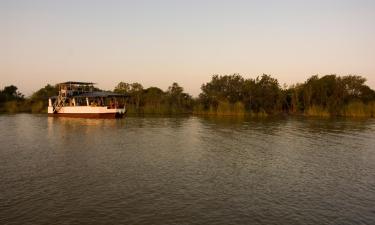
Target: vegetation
{"x": 332, "y": 96}
{"x": 11, "y": 101}
{"x": 232, "y": 94}
{"x": 325, "y": 96}
{"x": 153, "y": 100}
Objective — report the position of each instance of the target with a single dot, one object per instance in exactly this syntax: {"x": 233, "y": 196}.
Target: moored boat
{"x": 80, "y": 99}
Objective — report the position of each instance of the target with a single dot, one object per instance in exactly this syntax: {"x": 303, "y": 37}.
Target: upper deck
{"x": 74, "y": 88}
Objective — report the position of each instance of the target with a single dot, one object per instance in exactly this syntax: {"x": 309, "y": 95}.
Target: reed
{"x": 15, "y": 107}
{"x": 224, "y": 108}
{"x": 11, "y": 107}
{"x": 38, "y": 107}
{"x": 359, "y": 109}
{"x": 371, "y": 106}
{"x": 317, "y": 111}
{"x": 260, "y": 114}
{"x": 200, "y": 110}
{"x": 157, "y": 109}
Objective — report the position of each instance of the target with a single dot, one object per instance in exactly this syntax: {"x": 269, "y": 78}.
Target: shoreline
{"x": 220, "y": 115}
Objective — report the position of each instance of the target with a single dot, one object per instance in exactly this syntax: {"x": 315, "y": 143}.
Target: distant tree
{"x": 268, "y": 93}
{"x": 367, "y": 94}
{"x": 175, "y": 93}
{"x": 122, "y": 88}
{"x": 175, "y": 89}
{"x": 153, "y": 96}
{"x": 330, "y": 92}
{"x": 352, "y": 84}
{"x": 10, "y": 93}
{"x": 136, "y": 94}
{"x": 260, "y": 95}
{"x": 177, "y": 99}
{"x": 44, "y": 93}
{"x": 249, "y": 91}
{"x": 38, "y": 101}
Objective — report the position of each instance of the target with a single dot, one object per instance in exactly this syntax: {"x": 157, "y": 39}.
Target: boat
{"x": 82, "y": 99}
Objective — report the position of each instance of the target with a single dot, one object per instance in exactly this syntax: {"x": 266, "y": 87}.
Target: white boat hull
{"x": 87, "y": 112}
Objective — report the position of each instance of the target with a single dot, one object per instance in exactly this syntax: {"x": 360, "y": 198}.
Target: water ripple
{"x": 186, "y": 170}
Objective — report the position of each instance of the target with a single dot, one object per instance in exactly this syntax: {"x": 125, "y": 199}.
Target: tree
{"x": 122, "y": 88}
{"x": 178, "y": 100}
{"x": 136, "y": 94}
{"x": 44, "y": 93}
{"x": 268, "y": 94}
{"x": 10, "y": 93}
{"x": 174, "y": 93}
{"x": 227, "y": 88}
{"x": 38, "y": 101}
{"x": 259, "y": 95}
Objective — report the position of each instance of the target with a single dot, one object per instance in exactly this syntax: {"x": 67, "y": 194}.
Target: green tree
{"x": 38, "y": 101}
{"x": 10, "y": 93}
{"x": 135, "y": 92}
{"x": 122, "y": 88}
{"x": 178, "y": 100}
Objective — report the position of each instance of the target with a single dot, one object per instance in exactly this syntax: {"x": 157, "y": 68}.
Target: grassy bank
{"x": 225, "y": 108}
{"x": 24, "y": 106}
{"x": 359, "y": 109}
{"x": 356, "y": 109}
{"x": 352, "y": 109}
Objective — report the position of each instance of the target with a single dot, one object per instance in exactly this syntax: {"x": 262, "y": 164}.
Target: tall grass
{"x": 359, "y": 109}
{"x": 227, "y": 109}
{"x": 317, "y": 111}
{"x": 39, "y": 107}
{"x": 159, "y": 108}
{"x": 224, "y": 108}
{"x": 12, "y": 107}
{"x": 24, "y": 106}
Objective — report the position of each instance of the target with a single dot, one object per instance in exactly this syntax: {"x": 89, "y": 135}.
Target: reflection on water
{"x": 186, "y": 170}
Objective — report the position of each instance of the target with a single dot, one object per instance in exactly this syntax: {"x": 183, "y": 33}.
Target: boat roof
{"x": 103, "y": 94}
{"x": 77, "y": 83}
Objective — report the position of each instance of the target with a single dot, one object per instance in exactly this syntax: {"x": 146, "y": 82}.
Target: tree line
{"x": 329, "y": 95}
{"x": 12, "y": 101}
{"x": 154, "y": 100}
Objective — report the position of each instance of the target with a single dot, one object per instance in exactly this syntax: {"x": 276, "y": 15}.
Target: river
{"x": 186, "y": 170}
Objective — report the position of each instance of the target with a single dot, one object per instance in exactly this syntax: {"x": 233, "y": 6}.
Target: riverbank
{"x": 228, "y": 95}
{"x": 352, "y": 110}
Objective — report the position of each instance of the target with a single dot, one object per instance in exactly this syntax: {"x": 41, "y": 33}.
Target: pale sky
{"x": 159, "y": 42}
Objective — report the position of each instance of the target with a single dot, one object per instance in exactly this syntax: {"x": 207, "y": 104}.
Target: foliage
{"x": 230, "y": 95}
{"x": 39, "y": 100}
{"x": 330, "y": 94}
{"x": 10, "y": 93}
{"x": 45, "y": 93}
{"x": 153, "y": 100}
{"x": 256, "y": 95}
{"x": 10, "y": 99}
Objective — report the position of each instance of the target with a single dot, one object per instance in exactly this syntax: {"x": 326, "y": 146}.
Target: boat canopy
{"x": 100, "y": 94}
{"x": 76, "y": 83}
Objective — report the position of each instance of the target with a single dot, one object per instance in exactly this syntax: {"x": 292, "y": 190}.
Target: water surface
{"x": 186, "y": 170}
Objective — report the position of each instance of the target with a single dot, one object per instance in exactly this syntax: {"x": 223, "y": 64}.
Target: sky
{"x": 157, "y": 43}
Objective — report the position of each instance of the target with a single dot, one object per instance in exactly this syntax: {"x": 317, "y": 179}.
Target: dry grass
{"x": 317, "y": 111}
{"x": 359, "y": 109}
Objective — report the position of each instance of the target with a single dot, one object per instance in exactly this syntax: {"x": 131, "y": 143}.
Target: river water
{"x": 186, "y": 170}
